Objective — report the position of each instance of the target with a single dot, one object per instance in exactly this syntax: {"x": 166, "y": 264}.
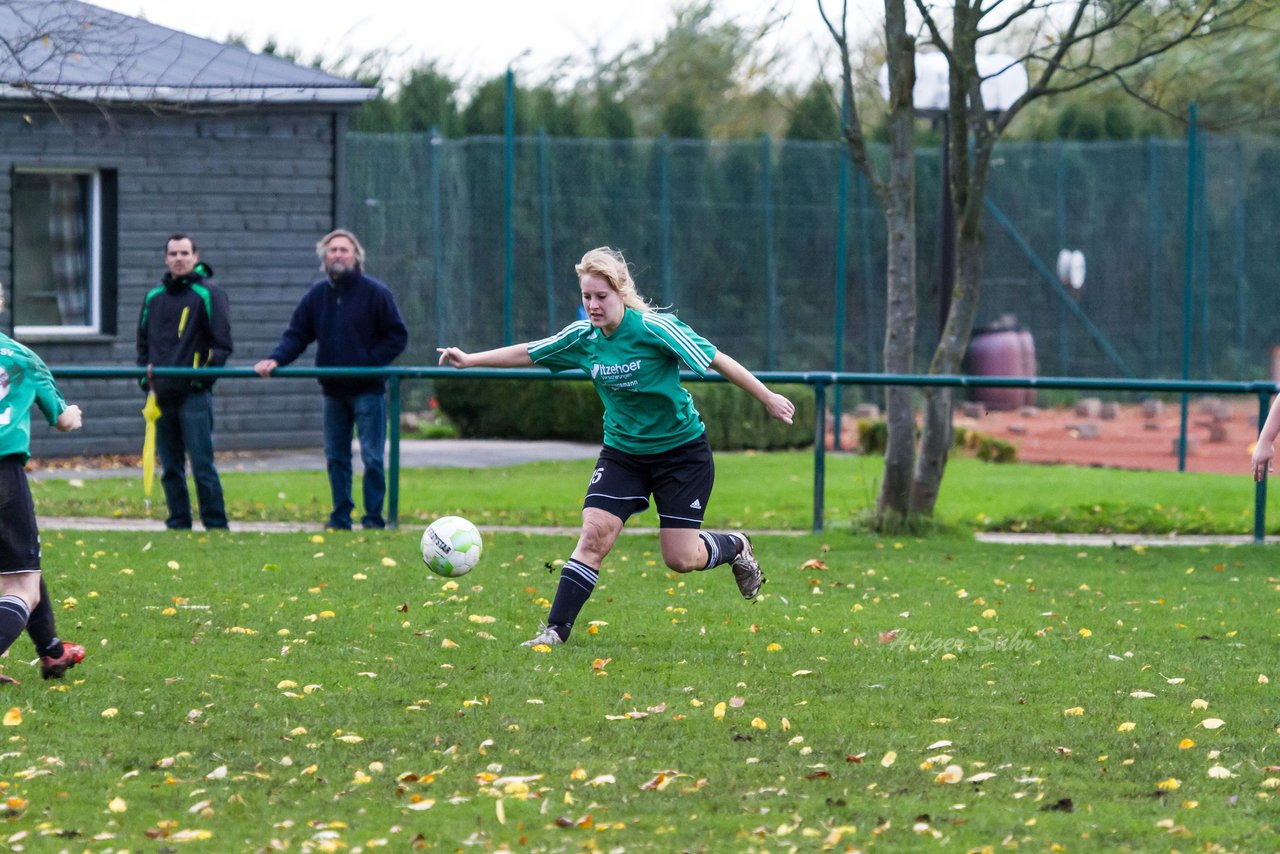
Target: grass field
{"x": 752, "y": 490}
{"x": 320, "y": 692}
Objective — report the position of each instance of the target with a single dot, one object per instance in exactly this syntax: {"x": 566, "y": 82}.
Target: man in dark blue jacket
{"x": 184, "y": 323}
{"x": 354, "y": 321}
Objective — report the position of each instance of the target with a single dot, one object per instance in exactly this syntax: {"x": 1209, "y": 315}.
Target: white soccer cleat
{"x": 746, "y": 570}
{"x": 546, "y": 635}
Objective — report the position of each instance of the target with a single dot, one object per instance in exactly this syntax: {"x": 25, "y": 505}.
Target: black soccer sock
{"x": 41, "y": 627}
{"x": 13, "y": 619}
{"x": 577, "y": 581}
{"x": 721, "y": 548}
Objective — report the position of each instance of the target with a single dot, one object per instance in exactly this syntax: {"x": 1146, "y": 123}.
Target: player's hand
{"x": 780, "y": 408}
{"x": 70, "y": 419}
{"x": 265, "y": 367}
{"x": 453, "y": 356}
{"x": 1263, "y": 464}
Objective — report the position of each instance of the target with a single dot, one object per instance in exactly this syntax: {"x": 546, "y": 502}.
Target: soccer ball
{"x": 451, "y": 546}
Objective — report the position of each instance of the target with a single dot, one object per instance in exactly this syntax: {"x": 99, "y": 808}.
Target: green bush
{"x": 873, "y": 433}
{"x": 571, "y": 411}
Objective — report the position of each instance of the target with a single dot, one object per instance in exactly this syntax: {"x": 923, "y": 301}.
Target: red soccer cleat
{"x": 53, "y": 668}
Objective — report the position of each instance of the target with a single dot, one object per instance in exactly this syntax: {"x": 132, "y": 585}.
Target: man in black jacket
{"x": 185, "y": 324}
{"x": 354, "y": 320}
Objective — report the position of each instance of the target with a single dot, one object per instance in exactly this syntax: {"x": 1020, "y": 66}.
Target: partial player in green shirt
{"x": 654, "y": 440}
{"x": 25, "y": 382}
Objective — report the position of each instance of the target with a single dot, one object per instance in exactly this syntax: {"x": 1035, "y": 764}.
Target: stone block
{"x": 1192, "y": 445}
{"x": 974, "y": 409}
{"x": 1088, "y": 430}
{"x": 1206, "y": 405}
{"x": 1028, "y": 411}
{"x": 1152, "y": 408}
{"x": 1018, "y": 429}
{"x": 866, "y": 410}
{"x": 1088, "y": 407}
{"x": 1110, "y": 411}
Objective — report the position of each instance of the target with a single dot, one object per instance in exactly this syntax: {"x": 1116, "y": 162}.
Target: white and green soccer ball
{"x": 451, "y": 546}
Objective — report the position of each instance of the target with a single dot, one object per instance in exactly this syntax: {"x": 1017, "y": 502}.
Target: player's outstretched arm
{"x": 1265, "y": 450}
{"x": 776, "y": 405}
{"x": 514, "y": 356}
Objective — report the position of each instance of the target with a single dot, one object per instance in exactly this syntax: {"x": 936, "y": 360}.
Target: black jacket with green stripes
{"x": 184, "y": 323}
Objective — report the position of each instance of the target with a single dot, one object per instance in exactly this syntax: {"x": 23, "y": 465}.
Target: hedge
{"x": 571, "y": 411}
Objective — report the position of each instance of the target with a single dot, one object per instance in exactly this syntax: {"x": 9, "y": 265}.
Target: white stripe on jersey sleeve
{"x": 676, "y": 336}
{"x": 562, "y": 340}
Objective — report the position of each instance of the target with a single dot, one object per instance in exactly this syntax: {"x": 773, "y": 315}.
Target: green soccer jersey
{"x": 636, "y": 372}
{"x": 24, "y": 380}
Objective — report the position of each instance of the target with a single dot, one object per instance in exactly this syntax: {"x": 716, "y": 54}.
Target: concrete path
{"x": 485, "y": 453}
{"x": 414, "y": 453}
{"x": 1122, "y": 540}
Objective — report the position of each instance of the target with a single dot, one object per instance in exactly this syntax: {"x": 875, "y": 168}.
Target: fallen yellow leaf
{"x": 951, "y": 774}
{"x": 13, "y": 717}
{"x": 1127, "y": 726}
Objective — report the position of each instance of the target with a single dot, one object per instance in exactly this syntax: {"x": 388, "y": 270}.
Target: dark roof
{"x": 69, "y": 49}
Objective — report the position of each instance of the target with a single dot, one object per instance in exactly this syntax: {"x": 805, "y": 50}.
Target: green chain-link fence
{"x": 743, "y": 238}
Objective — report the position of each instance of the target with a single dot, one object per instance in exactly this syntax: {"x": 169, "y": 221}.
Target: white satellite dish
{"x": 1075, "y": 274}
{"x": 1071, "y": 268}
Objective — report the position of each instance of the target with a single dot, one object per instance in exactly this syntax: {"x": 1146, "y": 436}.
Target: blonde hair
{"x": 608, "y": 264}
{"x": 340, "y": 232}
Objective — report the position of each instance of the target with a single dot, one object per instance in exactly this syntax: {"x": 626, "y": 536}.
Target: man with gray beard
{"x": 354, "y": 320}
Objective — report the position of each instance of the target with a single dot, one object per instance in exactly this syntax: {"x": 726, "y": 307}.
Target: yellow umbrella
{"x": 150, "y": 414}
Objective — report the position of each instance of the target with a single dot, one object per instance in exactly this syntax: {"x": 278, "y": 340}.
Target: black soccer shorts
{"x": 679, "y": 480}
{"x": 19, "y": 536}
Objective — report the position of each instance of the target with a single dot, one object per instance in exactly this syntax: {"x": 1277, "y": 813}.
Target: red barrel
{"x": 1003, "y": 350}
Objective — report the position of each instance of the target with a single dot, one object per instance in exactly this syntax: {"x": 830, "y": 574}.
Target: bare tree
{"x": 896, "y": 193}
{"x": 1064, "y": 45}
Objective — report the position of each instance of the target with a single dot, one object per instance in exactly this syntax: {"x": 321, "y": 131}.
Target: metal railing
{"x": 819, "y": 380}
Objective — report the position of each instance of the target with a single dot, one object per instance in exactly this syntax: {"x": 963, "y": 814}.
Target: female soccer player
{"x": 24, "y": 596}
{"x": 654, "y": 440}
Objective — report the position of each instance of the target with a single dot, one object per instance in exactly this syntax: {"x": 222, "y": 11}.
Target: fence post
{"x": 1260, "y": 491}
{"x": 393, "y": 461}
{"x": 1188, "y": 279}
{"x": 664, "y": 216}
{"x": 548, "y": 269}
{"x": 842, "y": 275}
{"x": 819, "y": 452}
{"x": 508, "y": 209}
{"x": 437, "y": 237}
{"x": 770, "y": 265}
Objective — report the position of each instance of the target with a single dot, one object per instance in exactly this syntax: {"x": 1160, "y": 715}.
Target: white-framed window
{"x": 57, "y": 286}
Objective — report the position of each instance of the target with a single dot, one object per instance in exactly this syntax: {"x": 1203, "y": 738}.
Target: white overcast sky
{"x": 477, "y": 39}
